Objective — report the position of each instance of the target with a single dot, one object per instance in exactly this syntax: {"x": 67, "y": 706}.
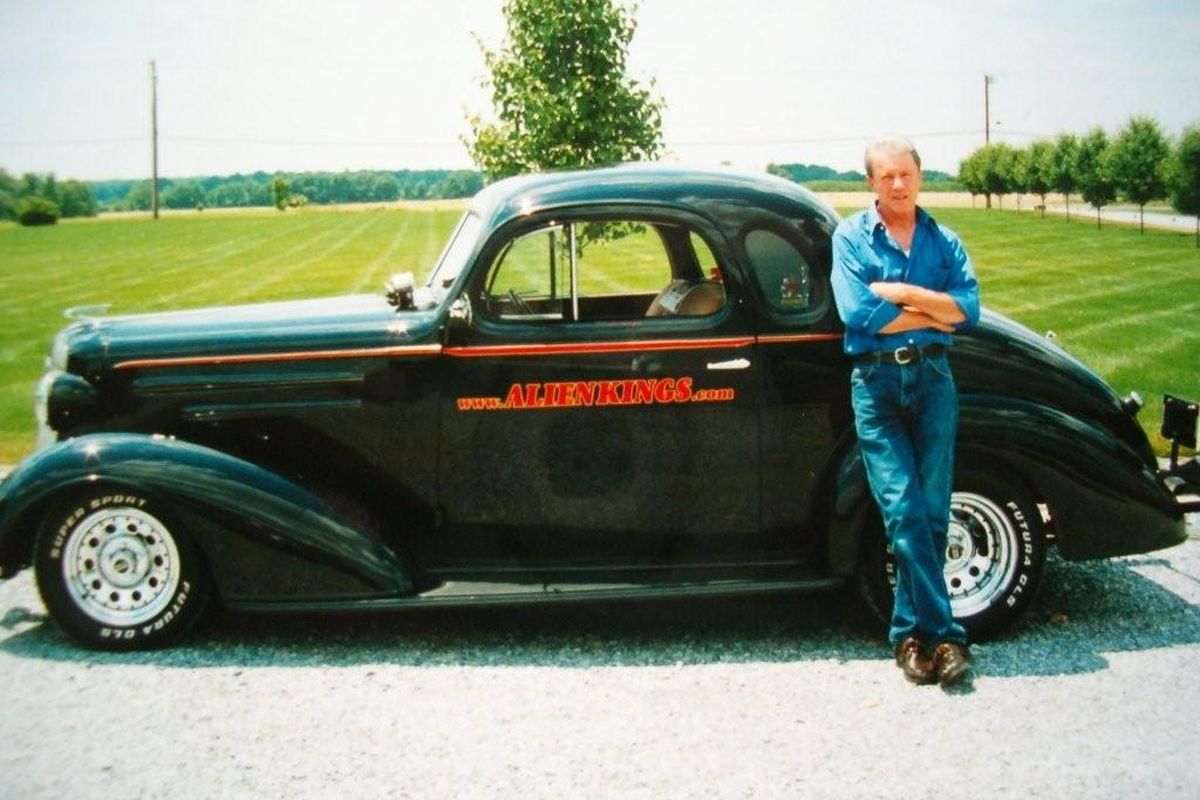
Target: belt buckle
{"x": 905, "y": 355}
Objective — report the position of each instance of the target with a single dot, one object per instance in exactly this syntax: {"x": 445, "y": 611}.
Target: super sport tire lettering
{"x": 116, "y": 570}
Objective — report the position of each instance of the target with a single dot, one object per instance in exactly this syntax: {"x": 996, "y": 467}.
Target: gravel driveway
{"x": 1094, "y": 695}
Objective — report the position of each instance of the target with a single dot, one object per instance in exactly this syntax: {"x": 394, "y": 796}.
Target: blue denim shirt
{"x": 864, "y": 252}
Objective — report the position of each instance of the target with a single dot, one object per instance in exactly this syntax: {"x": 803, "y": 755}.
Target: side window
{"x": 620, "y": 258}
{"x": 604, "y": 270}
{"x": 783, "y": 275}
{"x": 529, "y": 277}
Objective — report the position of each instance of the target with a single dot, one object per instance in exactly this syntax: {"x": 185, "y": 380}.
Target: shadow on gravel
{"x": 1082, "y": 612}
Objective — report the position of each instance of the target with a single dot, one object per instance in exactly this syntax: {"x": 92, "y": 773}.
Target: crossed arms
{"x": 919, "y": 307}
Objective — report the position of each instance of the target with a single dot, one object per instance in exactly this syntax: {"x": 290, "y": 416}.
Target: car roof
{"x": 711, "y": 192}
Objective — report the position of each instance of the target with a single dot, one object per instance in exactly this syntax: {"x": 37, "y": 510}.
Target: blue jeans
{"x": 906, "y": 417}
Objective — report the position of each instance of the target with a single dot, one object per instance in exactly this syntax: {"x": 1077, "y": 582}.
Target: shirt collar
{"x": 874, "y": 222}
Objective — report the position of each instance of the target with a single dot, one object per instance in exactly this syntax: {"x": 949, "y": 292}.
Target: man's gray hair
{"x": 892, "y": 145}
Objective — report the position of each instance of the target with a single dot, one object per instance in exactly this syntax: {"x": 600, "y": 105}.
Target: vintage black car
{"x": 614, "y": 383}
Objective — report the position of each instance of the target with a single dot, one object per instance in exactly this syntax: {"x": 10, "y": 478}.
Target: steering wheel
{"x": 519, "y": 302}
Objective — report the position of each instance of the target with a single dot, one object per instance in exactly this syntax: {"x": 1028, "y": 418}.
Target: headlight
{"x": 63, "y": 401}
{"x": 58, "y": 352}
{"x": 41, "y": 410}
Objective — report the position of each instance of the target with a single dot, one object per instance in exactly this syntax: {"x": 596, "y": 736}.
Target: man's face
{"x": 896, "y": 181}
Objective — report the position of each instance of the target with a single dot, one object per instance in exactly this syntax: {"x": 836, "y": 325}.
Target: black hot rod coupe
{"x": 613, "y": 383}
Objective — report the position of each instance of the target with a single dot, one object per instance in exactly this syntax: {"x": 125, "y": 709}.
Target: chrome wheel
{"x": 121, "y": 566}
{"x": 983, "y": 549}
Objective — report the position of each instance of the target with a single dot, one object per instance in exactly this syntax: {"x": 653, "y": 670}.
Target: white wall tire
{"x": 116, "y": 572}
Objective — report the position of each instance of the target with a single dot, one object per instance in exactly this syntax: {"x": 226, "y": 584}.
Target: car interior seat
{"x": 685, "y": 298}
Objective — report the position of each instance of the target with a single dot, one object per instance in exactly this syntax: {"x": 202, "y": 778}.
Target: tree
{"x": 1039, "y": 170}
{"x": 138, "y": 198}
{"x": 1018, "y": 170}
{"x": 185, "y": 194}
{"x": 37, "y": 210}
{"x": 1183, "y": 176}
{"x": 560, "y": 94}
{"x": 969, "y": 175}
{"x": 996, "y": 170}
{"x": 8, "y": 195}
{"x": 76, "y": 199}
{"x": 280, "y": 192}
{"x": 1066, "y": 146}
{"x": 1094, "y": 169}
{"x": 1139, "y": 154}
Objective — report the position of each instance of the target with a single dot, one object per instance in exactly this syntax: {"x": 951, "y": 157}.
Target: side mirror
{"x": 399, "y": 290}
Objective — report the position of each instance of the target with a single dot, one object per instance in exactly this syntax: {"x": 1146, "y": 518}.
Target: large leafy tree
{"x": 1066, "y": 146}
{"x": 1184, "y": 176}
{"x": 1039, "y": 170}
{"x": 969, "y": 177}
{"x": 997, "y": 169}
{"x": 560, "y": 93}
{"x": 1094, "y": 169}
{"x": 1140, "y": 152}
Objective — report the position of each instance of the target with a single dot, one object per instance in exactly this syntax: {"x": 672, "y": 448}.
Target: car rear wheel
{"x": 995, "y": 554}
{"x": 116, "y": 572}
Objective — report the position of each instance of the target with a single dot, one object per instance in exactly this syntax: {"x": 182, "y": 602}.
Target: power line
{"x": 222, "y": 140}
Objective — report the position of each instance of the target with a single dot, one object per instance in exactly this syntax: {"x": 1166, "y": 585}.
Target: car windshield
{"x": 454, "y": 256}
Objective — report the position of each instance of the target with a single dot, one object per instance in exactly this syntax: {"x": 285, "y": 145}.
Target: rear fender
{"x": 263, "y": 536}
{"x": 1105, "y": 500}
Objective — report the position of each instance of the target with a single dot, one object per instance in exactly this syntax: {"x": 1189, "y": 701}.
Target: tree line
{"x": 1139, "y": 165}
{"x": 262, "y": 188}
{"x": 818, "y": 174}
{"x": 41, "y": 199}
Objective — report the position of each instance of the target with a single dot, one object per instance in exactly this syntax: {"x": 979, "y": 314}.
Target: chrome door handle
{"x": 735, "y": 363}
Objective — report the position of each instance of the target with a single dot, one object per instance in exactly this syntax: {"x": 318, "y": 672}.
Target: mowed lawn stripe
{"x": 265, "y": 272}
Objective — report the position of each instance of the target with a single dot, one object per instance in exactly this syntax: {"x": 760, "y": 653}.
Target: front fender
{"x": 1105, "y": 500}
{"x": 263, "y": 536}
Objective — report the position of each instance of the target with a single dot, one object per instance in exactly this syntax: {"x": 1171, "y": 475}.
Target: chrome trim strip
{"x": 260, "y": 358}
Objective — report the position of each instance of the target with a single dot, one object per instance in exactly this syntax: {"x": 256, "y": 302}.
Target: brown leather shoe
{"x": 916, "y": 667}
{"x": 950, "y": 662}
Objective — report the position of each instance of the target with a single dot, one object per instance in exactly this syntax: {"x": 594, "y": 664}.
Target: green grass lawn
{"x": 1123, "y": 302}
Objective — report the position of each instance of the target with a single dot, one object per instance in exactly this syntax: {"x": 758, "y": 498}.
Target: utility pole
{"x": 988, "y": 80}
{"x": 153, "y": 140}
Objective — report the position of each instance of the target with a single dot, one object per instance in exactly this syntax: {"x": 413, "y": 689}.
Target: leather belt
{"x": 909, "y": 354}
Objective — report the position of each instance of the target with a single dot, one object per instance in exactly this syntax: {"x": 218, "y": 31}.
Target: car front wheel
{"x": 115, "y": 571}
{"x": 995, "y": 553}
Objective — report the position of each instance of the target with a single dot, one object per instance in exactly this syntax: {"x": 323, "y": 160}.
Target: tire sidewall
{"x": 877, "y": 570}
{"x": 1029, "y": 556}
{"x": 51, "y": 548}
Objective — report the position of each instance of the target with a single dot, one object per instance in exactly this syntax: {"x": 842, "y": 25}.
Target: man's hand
{"x": 911, "y": 319}
{"x": 892, "y": 291}
{"x": 939, "y": 306}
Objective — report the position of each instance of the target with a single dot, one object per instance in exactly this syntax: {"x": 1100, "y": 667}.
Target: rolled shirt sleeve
{"x": 859, "y": 307}
{"x": 963, "y": 286}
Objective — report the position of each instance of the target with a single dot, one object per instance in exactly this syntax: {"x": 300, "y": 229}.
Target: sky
{"x": 318, "y": 85}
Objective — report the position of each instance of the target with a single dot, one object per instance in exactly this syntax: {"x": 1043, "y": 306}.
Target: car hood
{"x": 333, "y": 323}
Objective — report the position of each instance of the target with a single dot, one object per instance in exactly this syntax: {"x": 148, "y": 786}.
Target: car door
{"x": 805, "y": 403}
{"x": 601, "y": 403}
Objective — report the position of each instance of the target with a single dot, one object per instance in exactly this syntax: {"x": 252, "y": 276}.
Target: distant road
{"x": 1154, "y": 219}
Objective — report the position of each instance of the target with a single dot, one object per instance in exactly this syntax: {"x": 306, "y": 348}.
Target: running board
{"x": 480, "y": 593}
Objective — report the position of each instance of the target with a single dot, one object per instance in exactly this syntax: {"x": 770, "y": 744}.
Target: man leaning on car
{"x": 903, "y": 285}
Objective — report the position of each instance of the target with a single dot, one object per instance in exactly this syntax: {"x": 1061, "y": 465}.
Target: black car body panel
{"x": 488, "y": 439}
